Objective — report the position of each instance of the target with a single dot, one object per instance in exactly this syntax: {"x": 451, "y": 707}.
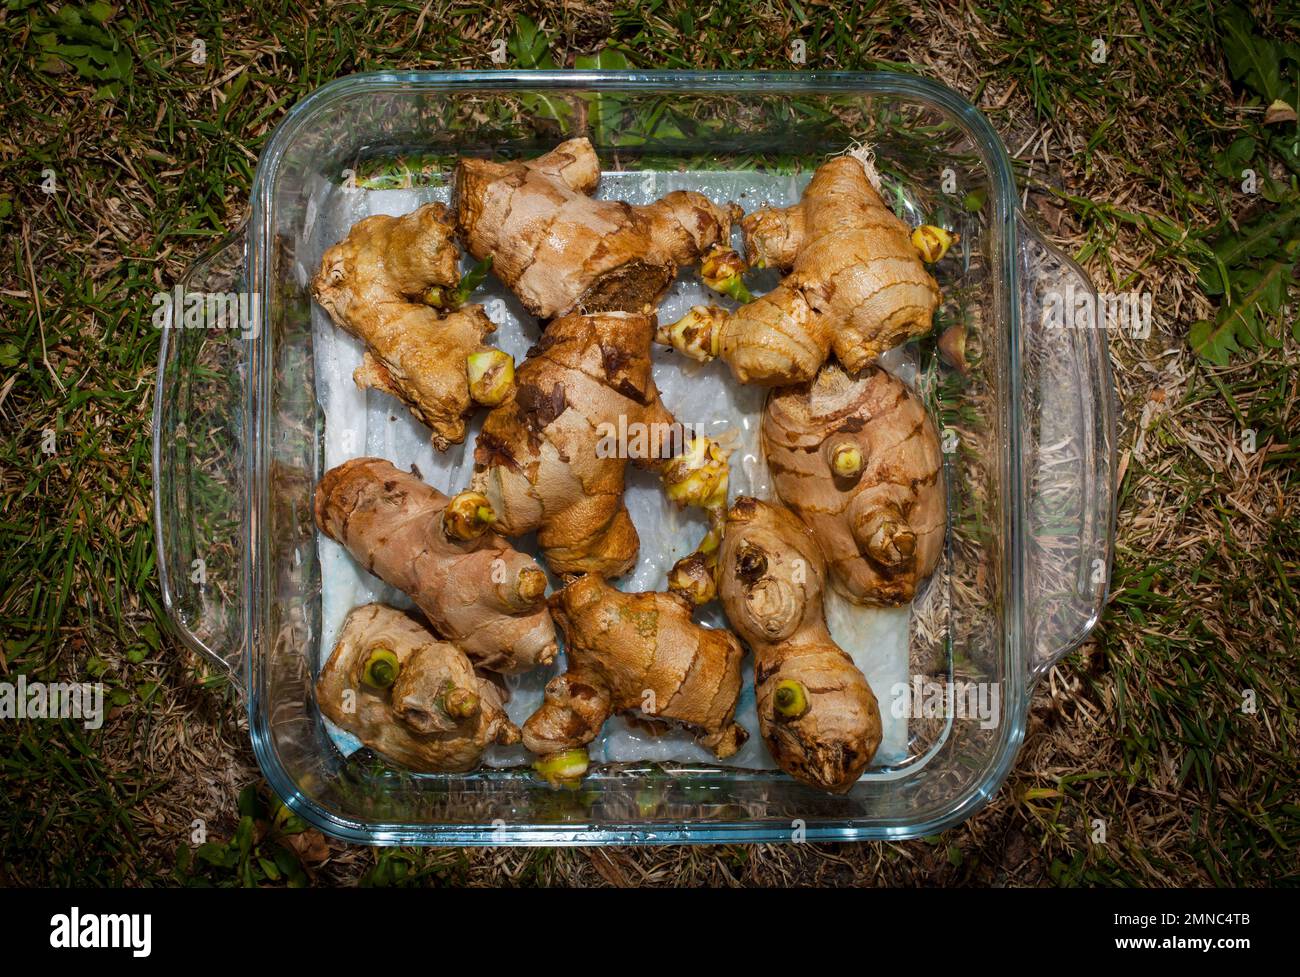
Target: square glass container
{"x": 1028, "y": 439}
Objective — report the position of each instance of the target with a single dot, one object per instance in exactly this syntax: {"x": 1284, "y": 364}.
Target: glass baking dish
{"x": 1028, "y": 438}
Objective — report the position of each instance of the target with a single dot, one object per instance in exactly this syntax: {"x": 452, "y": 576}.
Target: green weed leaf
{"x": 1259, "y": 297}
{"x": 1253, "y": 60}
{"x": 606, "y": 59}
{"x": 530, "y": 46}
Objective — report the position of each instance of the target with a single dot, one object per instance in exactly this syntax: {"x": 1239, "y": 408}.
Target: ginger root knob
{"x": 695, "y": 334}
{"x": 695, "y": 576}
{"x": 790, "y": 700}
{"x": 888, "y": 539}
{"x": 846, "y": 459}
{"x": 531, "y": 585}
{"x": 459, "y": 703}
{"x": 722, "y": 270}
{"x": 952, "y": 347}
{"x": 381, "y": 668}
{"x": 491, "y": 375}
{"x": 563, "y": 769}
{"x": 698, "y": 476}
{"x": 933, "y": 242}
{"x": 468, "y": 516}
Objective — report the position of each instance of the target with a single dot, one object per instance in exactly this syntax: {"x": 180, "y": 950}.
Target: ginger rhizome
{"x": 816, "y": 712}
{"x": 858, "y": 460}
{"x": 642, "y": 654}
{"x": 408, "y": 696}
{"x": 374, "y": 284}
{"x": 537, "y": 460}
{"x": 855, "y": 286}
{"x": 552, "y": 457}
{"x": 473, "y": 587}
{"x": 562, "y": 251}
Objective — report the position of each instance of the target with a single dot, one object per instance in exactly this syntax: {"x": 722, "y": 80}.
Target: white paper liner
{"x": 367, "y": 422}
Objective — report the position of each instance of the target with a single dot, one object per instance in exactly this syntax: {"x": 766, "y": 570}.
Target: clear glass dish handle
{"x": 198, "y": 458}
{"x": 1068, "y": 447}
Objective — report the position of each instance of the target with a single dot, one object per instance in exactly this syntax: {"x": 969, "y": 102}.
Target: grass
{"x": 151, "y": 155}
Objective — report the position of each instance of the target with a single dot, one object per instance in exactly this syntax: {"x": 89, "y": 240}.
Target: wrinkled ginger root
{"x": 552, "y": 457}
{"x": 408, "y": 696}
{"x": 855, "y": 286}
{"x": 473, "y": 587}
{"x": 561, "y": 251}
{"x": 638, "y": 653}
{"x": 373, "y": 284}
{"x": 858, "y": 460}
{"x": 816, "y": 712}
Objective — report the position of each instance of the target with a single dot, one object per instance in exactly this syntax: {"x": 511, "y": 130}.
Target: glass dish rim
{"x": 1004, "y": 223}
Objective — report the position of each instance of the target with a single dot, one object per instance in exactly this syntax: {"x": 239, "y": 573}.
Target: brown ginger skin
{"x": 637, "y": 653}
{"x": 372, "y": 284}
{"x": 546, "y": 458}
{"x": 436, "y": 717}
{"x": 481, "y": 593}
{"x": 816, "y": 712}
{"x": 855, "y": 285}
{"x": 561, "y": 251}
{"x": 882, "y": 527}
